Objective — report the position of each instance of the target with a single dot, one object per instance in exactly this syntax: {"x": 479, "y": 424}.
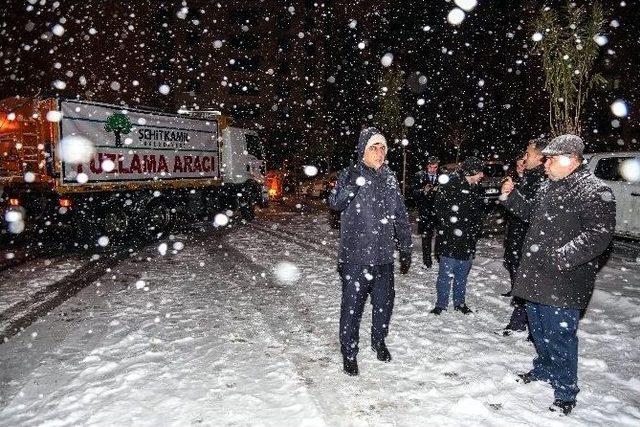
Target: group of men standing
{"x": 561, "y": 220}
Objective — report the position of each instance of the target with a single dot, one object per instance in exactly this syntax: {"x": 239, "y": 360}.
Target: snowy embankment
{"x": 214, "y": 334}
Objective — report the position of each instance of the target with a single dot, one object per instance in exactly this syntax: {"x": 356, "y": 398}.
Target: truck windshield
{"x": 254, "y": 146}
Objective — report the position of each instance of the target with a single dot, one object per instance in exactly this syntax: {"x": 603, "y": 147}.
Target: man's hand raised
{"x": 507, "y": 186}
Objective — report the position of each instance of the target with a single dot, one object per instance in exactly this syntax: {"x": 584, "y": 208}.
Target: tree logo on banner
{"x": 119, "y": 124}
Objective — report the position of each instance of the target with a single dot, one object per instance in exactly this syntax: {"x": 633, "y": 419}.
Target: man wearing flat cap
{"x": 458, "y": 211}
{"x": 425, "y": 185}
{"x": 571, "y": 223}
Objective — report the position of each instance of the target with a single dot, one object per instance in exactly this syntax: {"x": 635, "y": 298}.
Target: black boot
{"x": 463, "y": 309}
{"x": 506, "y": 294}
{"x": 564, "y": 406}
{"x": 436, "y": 311}
{"x": 382, "y": 352}
{"x": 350, "y": 366}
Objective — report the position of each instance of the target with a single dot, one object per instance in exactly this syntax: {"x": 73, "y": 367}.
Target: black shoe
{"x": 562, "y": 405}
{"x": 428, "y": 264}
{"x": 463, "y": 309}
{"x": 350, "y": 366}
{"x": 526, "y": 377}
{"x": 382, "y": 352}
{"x": 506, "y": 294}
{"x": 437, "y": 311}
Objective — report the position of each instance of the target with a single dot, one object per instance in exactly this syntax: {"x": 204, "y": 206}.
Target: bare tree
{"x": 567, "y": 42}
{"x": 389, "y": 117}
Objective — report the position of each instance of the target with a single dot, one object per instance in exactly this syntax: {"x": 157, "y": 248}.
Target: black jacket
{"x": 517, "y": 227}
{"x": 424, "y": 200}
{"x": 373, "y": 215}
{"x": 571, "y": 223}
{"x": 458, "y": 212}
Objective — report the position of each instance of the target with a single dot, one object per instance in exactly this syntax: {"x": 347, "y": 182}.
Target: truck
{"x": 88, "y": 171}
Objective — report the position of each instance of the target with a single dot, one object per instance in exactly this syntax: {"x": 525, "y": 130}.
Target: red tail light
{"x": 65, "y": 203}
{"x": 14, "y": 202}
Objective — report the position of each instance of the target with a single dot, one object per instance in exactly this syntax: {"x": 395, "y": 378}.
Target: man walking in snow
{"x": 533, "y": 177}
{"x": 424, "y": 191}
{"x": 373, "y": 217}
{"x": 571, "y": 223}
{"x": 458, "y": 210}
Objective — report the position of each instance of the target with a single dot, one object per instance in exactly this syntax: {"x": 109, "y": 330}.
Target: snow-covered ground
{"x": 215, "y": 334}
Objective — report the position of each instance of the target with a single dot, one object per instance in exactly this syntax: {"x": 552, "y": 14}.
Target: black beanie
{"x": 471, "y": 166}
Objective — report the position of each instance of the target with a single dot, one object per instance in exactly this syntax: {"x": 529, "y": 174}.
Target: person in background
{"x": 458, "y": 214}
{"x": 424, "y": 190}
{"x": 571, "y": 223}
{"x": 527, "y": 186}
{"x": 373, "y": 218}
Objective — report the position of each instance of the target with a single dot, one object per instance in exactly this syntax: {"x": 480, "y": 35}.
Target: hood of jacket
{"x": 365, "y": 135}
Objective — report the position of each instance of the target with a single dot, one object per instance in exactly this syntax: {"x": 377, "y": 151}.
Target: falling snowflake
{"x": 162, "y": 248}
{"x": 286, "y": 272}
{"x": 466, "y": 5}
{"x": 75, "y": 149}
{"x": 386, "y": 59}
{"x": 456, "y": 16}
{"x": 310, "y": 170}
{"x": 220, "y": 220}
{"x": 619, "y": 108}
{"x": 54, "y": 116}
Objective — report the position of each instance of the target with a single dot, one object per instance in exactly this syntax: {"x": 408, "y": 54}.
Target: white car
{"x": 621, "y": 172}
{"x": 313, "y": 188}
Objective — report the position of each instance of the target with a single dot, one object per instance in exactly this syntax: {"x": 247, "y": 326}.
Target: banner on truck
{"x": 130, "y": 145}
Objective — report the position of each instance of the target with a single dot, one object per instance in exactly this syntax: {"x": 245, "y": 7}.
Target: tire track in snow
{"x": 19, "y": 316}
{"x": 294, "y": 325}
{"x": 306, "y": 243}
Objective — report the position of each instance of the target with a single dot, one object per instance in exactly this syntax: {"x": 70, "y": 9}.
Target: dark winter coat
{"x": 424, "y": 202}
{"x": 571, "y": 223}
{"x": 458, "y": 211}
{"x": 517, "y": 227}
{"x": 373, "y": 215}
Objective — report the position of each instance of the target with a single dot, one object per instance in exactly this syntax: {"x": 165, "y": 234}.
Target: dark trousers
{"x": 554, "y": 335}
{"x": 358, "y": 281}
{"x": 456, "y": 271}
{"x": 427, "y": 237}
{"x": 518, "y": 320}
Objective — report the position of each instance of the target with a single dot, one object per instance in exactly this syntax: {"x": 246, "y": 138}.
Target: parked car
{"x": 621, "y": 172}
{"x": 494, "y": 174}
{"x": 315, "y": 187}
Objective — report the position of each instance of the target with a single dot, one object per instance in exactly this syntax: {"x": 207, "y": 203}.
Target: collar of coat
{"x": 372, "y": 173}
{"x": 579, "y": 173}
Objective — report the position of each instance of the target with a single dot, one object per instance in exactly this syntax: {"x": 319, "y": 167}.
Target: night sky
{"x": 478, "y": 79}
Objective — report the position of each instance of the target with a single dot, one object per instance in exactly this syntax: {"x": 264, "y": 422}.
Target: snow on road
{"x": 209, "y": 335}
{"x": 32, "y": 279}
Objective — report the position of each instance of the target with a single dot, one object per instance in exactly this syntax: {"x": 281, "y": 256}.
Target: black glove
{"x": 354, "y": 174}
{"x": 405, "y": 262}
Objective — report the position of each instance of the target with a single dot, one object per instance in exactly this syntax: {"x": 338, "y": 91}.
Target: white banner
{"x": 134, "y": 146}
